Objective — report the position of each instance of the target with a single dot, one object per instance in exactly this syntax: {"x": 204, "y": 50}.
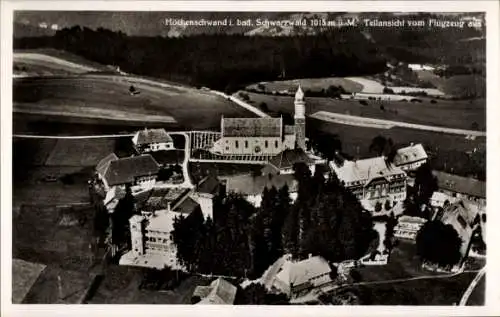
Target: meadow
{"x": 313, "y": 84}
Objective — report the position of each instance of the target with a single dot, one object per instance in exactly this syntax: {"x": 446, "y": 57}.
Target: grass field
{"x": 66, "y": 56}
{"x": 84, "y": 152}
{"x": 190, "y": 108}
{"x": 313, "y": 84}
{"x": 458, "y": 114}
{"x": 121, "y": 286}
{"x": 38, "y": 237}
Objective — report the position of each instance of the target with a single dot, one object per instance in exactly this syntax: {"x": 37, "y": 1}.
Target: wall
{"x": 227, "y": 145}
{"x": 158, "y": 147}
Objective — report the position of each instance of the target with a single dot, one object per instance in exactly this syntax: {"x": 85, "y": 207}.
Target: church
{"x": 263, "y": 136}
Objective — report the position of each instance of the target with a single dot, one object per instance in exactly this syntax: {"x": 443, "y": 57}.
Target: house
{"x": 283, "y": 162}
{"x": 410, "y": 158}
{"x": 296, "y": 279}
{"x": 408, "y": 227}
{"x": 465, "y": 217}
{"x": 251, "y": 187}
{"x": 439, "y": 199}
{"x": 461, "y": 187}
{"x": 205, "y": 192}
{"x": 139, "y": 172}
{"x": 372, "y": 181}
{"x": 262, "y": 136}
{"x": 168, "y": 158}
{"x": 150, "y": 140}
{"x": 219, "y": 292}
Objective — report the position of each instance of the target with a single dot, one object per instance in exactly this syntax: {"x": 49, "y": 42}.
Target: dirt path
{"x": 473, "y": 284}
{"x": 387, "y": 124}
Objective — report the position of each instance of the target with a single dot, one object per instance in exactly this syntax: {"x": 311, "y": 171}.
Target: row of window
{"x": 266, "y": 144}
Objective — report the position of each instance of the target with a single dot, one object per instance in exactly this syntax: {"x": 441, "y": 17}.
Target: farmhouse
{"x": 299, "y": 278}
{"x": 262, "y": 136}
{"x": 460, "y": 187}
{"x": 251, "y": 187}
{"x": 149, "y": 140}
{"x": 410, "y": 158}
{"x": 465, "y": 219}
{"x": 219, "y": 292}
{"x": 372, "y": 180}
{"x": 139, "y": 172}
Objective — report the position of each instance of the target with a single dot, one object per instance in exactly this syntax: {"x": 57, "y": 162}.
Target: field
{"x": 404, "y": 264}
{"x": 478, "y": 294}
{"x": 121, "y": 286}
{"x": 313, "y": 84}
{"x": 24, "y": 275}
{"x": 62, "y": 56}
{"x": 458, "y": 114}
{"x": 99, "y": 97}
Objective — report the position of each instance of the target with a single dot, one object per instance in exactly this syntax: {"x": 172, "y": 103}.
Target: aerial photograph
{"x": 249, "y": 158}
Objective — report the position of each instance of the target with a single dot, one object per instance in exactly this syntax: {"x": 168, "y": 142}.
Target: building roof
{"x": 103, "y": 164}
{"x": 251, "y": 127}
{"x": 221, "y": 292}
{"x": 125, "y": 170}
{"x": 254, "y": 185}
{"x": 459, "y": 184}
{"x": 186, "y": 207}
{"x": 299, "y": 94}
{"x": 410, "y": 154}
{"x": 288, "y": 158}
{"x": 161, "y": 198}
{"x": 208, "y": 185}
{"x": 168, "y": 157}
{"x": 365, "y": 169}
{"x": 161, "y": 221}
{"x": 409, "y": 219}
{"x": 297, "y": 273}
{"x": 148, "y": 136}
{"x": 460, "y": 208}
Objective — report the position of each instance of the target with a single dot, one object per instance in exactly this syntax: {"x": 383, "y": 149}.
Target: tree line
{"x": 220, "y": 61}
{"x": 244, "y": 241}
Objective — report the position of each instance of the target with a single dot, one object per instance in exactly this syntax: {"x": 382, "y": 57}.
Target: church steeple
{"x": 300, "y": 118}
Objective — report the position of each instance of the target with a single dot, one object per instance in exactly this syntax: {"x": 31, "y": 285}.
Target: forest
{"x": 227, "y": 62}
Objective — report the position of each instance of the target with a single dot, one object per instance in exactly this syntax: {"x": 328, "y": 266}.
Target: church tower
{"x": 136, "y": 234}
{"x": 300, "y": 119}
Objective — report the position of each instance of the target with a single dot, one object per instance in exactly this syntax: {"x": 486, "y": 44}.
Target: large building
{"x": 410, "y": 158}
{"x": 262, "y": 136}
{"x": 372, "y": 181}
{"x": 459, "y": 187}
{"x": 150, "y": 140}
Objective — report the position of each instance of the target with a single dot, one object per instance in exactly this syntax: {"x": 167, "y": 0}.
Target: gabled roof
{"x": 148, "y": 136}
{"x": 221, "y": 292}
{"x": 125, "y": 170}
{"x": 365, "y": 170}
{"x": 410, "y": 154}
{"x": 297, "y": 273}
{"x": 251, "y": 127}
{"x": 254, "y": 185}
{"x": 168, "y": 157}
{"x": 208, "y": 185}
{"x": 459, "y": 184}
{"x": 103, "y": 164}
{"x": 288, "y": 158}
{"x": 187, "y": 206}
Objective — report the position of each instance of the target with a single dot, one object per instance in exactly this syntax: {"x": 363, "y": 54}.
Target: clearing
{"x": 313, "y": 84}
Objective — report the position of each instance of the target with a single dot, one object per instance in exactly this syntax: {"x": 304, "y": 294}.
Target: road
{"x": 387, "y": 124}
{"x": 473, "y": 284}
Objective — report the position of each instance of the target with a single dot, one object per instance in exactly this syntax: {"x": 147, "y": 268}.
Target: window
{"x": 246, "y": 144}
{"x": 462, "y": 221}
{"x": 276, "y": 144}
{"x": 236, "y": 144}
{"x": 266, "y": 144}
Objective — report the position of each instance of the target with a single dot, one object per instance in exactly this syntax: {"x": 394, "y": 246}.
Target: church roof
{"x": 251, "y": 127}
{"x": 297, "y": 273}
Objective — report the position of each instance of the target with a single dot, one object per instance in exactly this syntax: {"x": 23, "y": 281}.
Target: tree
{"x": 425, "y": 184}
{"x": 389, "y": 231}
{"x": 378, "y": 206}
{"x": 378, "y": 145}
{"x": 387, "y": 205}
{"x": 257, "y": 294}
{"x": 263, "y": 106}
{"x": 439, "y": 243}
{"x": 387, "y": 90}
